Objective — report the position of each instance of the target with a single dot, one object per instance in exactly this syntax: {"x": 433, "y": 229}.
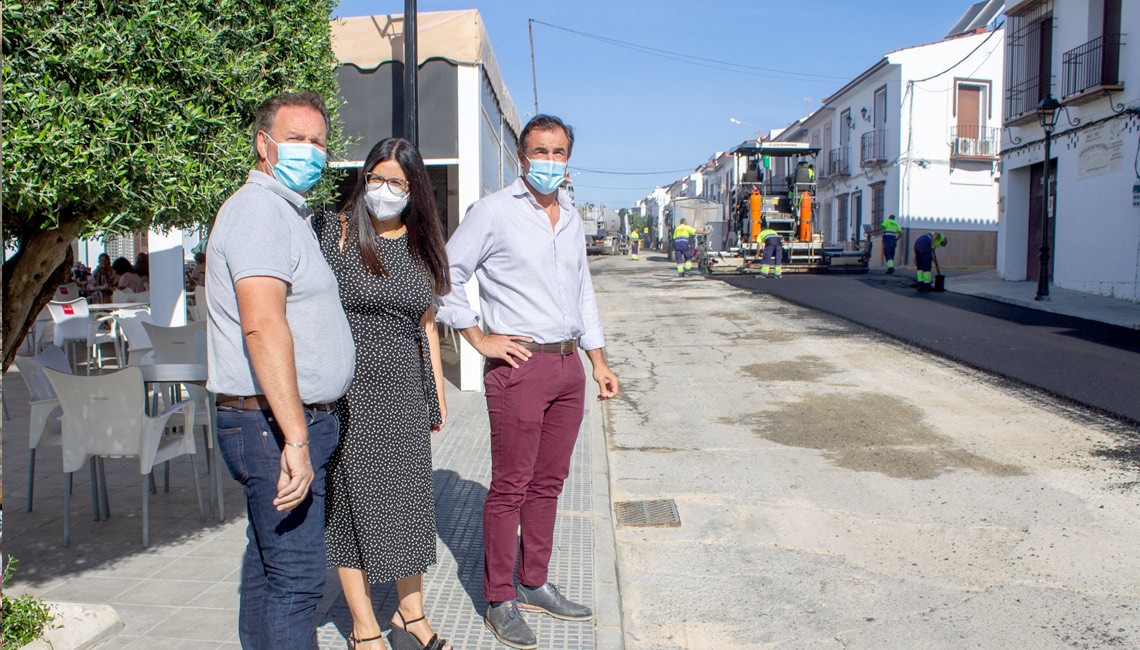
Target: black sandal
{"x": 352, "y": 641}
{"x": 401, "y": 639}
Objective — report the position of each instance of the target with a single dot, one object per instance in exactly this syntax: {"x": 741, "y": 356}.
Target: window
{"x": 1095, "y": 65}
{"x": 880, "y": 108}
{"x": 970, "y": 135}
{"x": 1028, "y": 57}
{"x": 878, "y": 196}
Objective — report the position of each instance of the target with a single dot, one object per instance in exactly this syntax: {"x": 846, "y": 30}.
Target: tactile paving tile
{"x": 453, "y": 588}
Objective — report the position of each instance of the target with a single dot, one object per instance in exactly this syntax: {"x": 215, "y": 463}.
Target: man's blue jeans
{"x": 283, "y": 573}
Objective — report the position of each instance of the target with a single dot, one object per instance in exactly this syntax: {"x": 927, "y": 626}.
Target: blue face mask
{"x": 299, "y": 165}
{"x": 546, "y": 176}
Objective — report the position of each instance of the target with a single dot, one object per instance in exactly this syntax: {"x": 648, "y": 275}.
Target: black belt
{"x": 564, "y": 347}
{"x": 260, "y": 403}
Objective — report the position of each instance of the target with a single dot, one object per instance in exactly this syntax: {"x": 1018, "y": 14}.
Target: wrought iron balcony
{"x": 971, "y": 141}
{"x": 1022, "y": 98}
{"x": 1094, "y": 65}
{"x": 837, "y": 164}
{"x": 873, "y": 147}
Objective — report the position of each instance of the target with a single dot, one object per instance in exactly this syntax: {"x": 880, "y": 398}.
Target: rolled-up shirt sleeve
{"x": 594, "y": 337}
{"x": 466, "y": 250}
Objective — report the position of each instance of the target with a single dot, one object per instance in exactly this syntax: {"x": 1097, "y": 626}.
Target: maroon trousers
{"x": 535, "y": 411}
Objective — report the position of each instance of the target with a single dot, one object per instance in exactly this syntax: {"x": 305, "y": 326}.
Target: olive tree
{"x": 126, "y": 115}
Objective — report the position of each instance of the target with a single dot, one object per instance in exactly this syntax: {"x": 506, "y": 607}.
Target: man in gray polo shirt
{"x": 280, "y": 351}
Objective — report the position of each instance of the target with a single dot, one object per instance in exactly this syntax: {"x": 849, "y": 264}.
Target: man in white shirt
{"x": 526, "y": 246}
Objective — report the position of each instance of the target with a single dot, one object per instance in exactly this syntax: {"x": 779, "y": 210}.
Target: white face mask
{"x": 384, "y": 203}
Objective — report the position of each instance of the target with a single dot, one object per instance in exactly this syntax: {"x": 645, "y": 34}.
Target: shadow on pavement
{"x": 459, "y": 523}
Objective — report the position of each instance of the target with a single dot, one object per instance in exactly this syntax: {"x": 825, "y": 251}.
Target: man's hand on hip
{"x": 295, "y": 479}
{"x": 499, "y": 346}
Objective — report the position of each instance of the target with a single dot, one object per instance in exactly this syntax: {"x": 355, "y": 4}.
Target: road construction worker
{"x": 634, "y": 243}
{"x": 773, "y": 247}
{"x": 891, "y": 230}
{"x": 804, "y": 175}
{"x": 924, "y": 254}
{"x": 682, "y": 246}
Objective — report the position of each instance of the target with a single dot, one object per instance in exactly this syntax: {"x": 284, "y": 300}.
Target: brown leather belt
{"x": 564, "y": 348}
{"x": 260, "y": 403}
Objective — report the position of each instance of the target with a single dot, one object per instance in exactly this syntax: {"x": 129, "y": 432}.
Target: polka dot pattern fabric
{"x": 380, "y": 508}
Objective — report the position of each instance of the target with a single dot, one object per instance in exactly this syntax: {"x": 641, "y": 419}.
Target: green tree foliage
{"x": 120, "y": 115}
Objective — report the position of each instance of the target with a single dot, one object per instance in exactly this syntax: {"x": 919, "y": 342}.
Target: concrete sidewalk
{"x": 987, "y": 284}
{"x": 182, "y": 591}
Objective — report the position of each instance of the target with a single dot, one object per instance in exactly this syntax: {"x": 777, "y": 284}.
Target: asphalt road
{"x": 1090, "y": 363}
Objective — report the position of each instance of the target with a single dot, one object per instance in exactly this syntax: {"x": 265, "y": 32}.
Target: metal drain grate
{"x": 660, "y": 512}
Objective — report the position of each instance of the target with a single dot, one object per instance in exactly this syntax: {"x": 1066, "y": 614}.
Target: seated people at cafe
{"x": 125, "y": 276}
{"x": 142, "y": 268}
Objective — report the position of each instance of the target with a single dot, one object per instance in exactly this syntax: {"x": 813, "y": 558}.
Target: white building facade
{"x": 1078, "y": 52}
{"x": 915, "y": 135}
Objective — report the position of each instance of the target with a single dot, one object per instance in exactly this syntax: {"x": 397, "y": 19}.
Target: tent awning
{"x": 456, "y": 36}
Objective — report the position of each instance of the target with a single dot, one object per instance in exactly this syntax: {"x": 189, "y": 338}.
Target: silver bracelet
{"x": 303, "y": 443}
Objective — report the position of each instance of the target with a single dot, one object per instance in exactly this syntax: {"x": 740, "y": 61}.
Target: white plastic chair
{"x": 66, "y": 292}
{"x": 105, "y": 417}
{"x": 43, "y": 421}
{"x": 42, "y": 329}
{"x": 197, "y": 311}
{"x": 73, "y": 324}
{"x": 130, "y": 326}
{"x": 175, "y": 344}
{"x": 183, "y": 344}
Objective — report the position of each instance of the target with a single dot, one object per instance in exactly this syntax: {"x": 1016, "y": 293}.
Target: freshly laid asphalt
{"x": 1093, "y": 364}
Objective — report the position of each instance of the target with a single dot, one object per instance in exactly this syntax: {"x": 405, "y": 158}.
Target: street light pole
{"x": 1047, "y": 114}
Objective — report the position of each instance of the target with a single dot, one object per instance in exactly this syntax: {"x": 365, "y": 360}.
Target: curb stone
{"x": 78, "y": 626}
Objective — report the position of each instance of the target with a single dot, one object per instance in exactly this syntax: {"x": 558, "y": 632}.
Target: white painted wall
{"x": 921, "y": 183}
{"x": 469, "y": 115}
{"x": 1097, "y": 241}
{"x": 167, "y": 282}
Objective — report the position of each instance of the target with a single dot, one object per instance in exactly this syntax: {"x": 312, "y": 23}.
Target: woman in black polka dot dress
{"x": 388, "y": 254}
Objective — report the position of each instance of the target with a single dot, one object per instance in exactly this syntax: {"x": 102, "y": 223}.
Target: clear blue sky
{"x": 633, "y": 111}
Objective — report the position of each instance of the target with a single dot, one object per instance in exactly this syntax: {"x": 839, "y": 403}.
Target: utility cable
{"x": 963, "y": 59}
{"x": 600, "y": 171}
{"x": 728, "y": 66}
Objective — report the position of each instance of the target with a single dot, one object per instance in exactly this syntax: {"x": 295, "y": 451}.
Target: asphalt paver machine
{"x": 773, "y": 187}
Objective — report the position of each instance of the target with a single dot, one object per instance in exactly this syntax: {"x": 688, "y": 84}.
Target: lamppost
{"x": 751, "y": 126}
{"x": 1047, "y": 112}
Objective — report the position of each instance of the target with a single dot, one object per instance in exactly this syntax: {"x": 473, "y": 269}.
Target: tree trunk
{"x": 30, "y": 279}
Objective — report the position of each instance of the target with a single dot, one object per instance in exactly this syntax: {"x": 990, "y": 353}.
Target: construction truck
{"x": 758, "y": 199}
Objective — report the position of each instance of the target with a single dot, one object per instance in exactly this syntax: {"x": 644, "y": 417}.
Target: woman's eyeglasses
{"x": 397, "y": 185}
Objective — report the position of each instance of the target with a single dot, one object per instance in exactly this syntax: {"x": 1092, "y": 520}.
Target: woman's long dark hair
{"x": 425, "y": 237}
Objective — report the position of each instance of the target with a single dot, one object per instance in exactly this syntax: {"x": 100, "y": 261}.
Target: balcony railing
{"x": 837, "y": 164}
{"x": 971, "y": 141}
{"x": 1024, "y": 97}
{"x": 1092, "y": 65}
{"x": 873, "y": 147}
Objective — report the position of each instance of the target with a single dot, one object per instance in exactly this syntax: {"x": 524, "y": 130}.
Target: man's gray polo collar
{"x": 266, "y": 181}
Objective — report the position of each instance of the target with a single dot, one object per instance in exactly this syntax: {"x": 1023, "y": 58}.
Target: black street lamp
{"x": 1047, "y": 112}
